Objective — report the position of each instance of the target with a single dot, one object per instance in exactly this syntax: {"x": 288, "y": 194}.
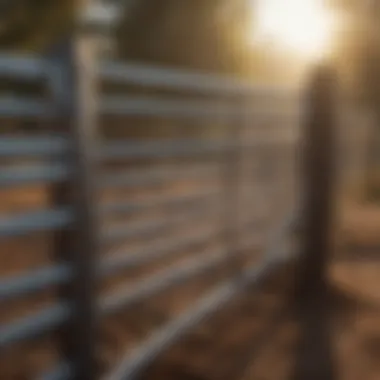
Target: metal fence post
{"x": 315, "y": 352}
{"x": 73, "y": 86}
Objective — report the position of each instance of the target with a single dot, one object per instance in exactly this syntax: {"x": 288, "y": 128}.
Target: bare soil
{"x": 253, "y": 337}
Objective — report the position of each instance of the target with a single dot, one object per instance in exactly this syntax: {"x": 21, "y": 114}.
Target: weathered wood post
{"x": 318, "y": 164}
{"x": 312, "y": 298}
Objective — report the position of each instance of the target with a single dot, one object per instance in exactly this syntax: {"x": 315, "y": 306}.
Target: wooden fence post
{"x": 73, "y": 88}
{"x": 318, "y": 176}
{"x": 315, "y": 360}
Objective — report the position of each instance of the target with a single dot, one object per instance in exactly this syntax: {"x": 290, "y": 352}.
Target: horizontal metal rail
{"x": 126, "y": 207}
{"x": 174, "y": 79}
{"x": 121, "y": 261}
{"x": 181, "y": 148}
{"x": 33, "y": 221}
{"x": 14, "y": 287}
{"x": 18, "y": 107}
{"x": 138, "y": 149}
{"x": 11, "y": 146}
{"x": 145, "y": 106}
{"x": 24, "y": 175}
{"x": 24, "y": 284}
{"x": 63, "y": 371}
{"x": 15, "y": 176}
{"x": 22, "y": 67}
{"x": 50, "y": 318}
{"x": 149, "y": 106}
{"x": 145, "y": 353}
{"x": 33, "y": 326}
{"x": 161, "y": 281}
{"x": 145, "y": 229}
{"x": 33, "y": 146}
{"x": 20, "y": 285}
{"x": 29, "y": 67}
{"x": 140, "y": 357}
{"x": 155, "y": 177}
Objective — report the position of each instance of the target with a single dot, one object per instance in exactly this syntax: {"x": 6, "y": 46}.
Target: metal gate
{"x": 122, "y": 181}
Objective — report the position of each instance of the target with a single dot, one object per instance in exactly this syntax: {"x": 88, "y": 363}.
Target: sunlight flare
{"x": 304, "y": 27}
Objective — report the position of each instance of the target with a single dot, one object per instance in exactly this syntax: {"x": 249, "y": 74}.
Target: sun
{"x": 302, "y": 26}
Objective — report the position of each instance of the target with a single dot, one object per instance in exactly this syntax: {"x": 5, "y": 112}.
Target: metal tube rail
{"x": 24, "y": 175}
{"x": 21, "y": 285}
{"x": 154, "y": 177}
{"x": 50, "y": 318}
{"x": 52, "y": 173}
{"x": 16, "y": 286}
{"x": 31, "y": 327}
{"x": 127, "y": 207}
{"x": 33, "y": 146}
{"x": 125, "y": 232}
{"x": 136, "y": 106}
{"x": 21, "y": 224}
{"x": 23, "y": 67}
{"x": 179, "y": 148}
{"x": 119, "y": 261}
{"x": 171, "y": 78}
{"x": 162, "y": 280}
{"x": 29, "y": 67}
{"x": 143, "y": 354}
{"x": 134, "y": 362}
{"x": 137, "y": 149}
{"x": 149, "y": 106}
{"x": 18, "y": 107}
{"x": 62, "y": 371}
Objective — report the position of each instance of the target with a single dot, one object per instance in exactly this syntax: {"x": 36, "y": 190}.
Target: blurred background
{"x": 261, "y": 41}
{"x": 152, "y": 151}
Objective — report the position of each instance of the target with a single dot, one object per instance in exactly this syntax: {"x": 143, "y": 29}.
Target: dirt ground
{"x": 254, "y": 337}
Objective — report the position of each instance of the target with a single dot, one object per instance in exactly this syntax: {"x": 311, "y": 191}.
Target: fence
{"x": 77, "y": 159}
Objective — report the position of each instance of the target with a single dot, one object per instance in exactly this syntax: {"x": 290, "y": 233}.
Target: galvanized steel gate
{"x": 90, "y": 174}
